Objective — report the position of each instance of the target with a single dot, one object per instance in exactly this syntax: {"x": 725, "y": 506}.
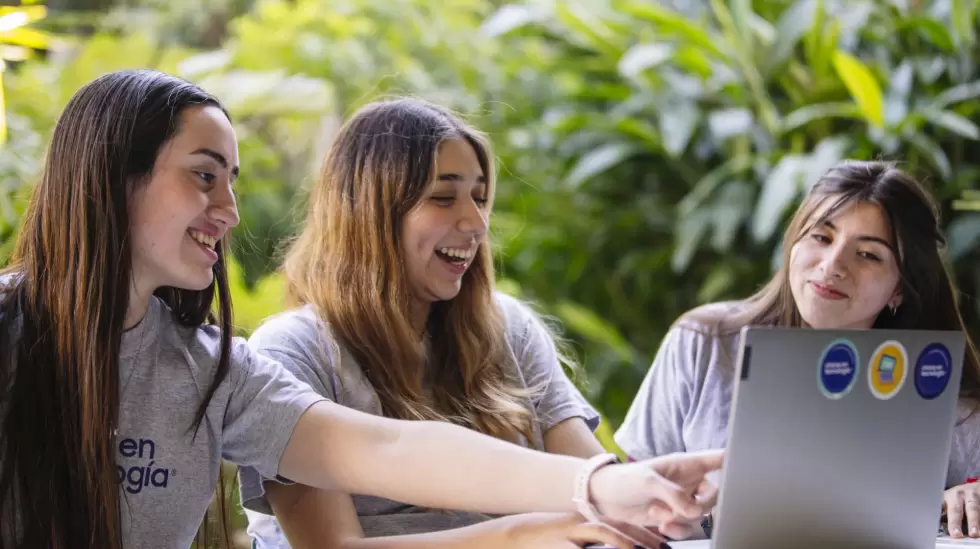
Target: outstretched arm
{"x": 439, "y": 465}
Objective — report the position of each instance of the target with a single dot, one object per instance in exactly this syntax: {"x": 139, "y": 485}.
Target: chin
{"x": 196, "y": 283}
{"x": 446, "y": 294}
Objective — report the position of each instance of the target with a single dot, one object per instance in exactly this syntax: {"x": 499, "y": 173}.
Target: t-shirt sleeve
{"x": 654, "y": 424}
{"x": 289, "y": 342}
{"x": 538, "y": 360}
{"x": 264, "y": 407}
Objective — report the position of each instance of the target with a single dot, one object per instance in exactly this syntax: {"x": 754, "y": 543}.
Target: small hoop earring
{"x": 894, "y": 308}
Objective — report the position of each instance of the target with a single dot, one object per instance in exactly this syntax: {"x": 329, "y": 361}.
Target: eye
{"x": 480, "y": 201}
{"x": 870, "y": 256}
{"x": 821, "y": 238}
{"x": 206, "y": 177}
{"x": 443, "y": 200}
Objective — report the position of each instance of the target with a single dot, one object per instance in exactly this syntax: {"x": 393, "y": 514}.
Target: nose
{"x": 474, "y": 219}
{"x": 834, "y": 263}
{"x": 224, "y": 207}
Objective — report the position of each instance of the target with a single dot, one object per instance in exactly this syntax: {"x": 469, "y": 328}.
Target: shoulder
{"x": 712, "y": 319}
{"x": 705, "y": 336}
{"x": 512, "y": 308}
{"x": 520, "y": 319}
{"x": 295, "y": 329}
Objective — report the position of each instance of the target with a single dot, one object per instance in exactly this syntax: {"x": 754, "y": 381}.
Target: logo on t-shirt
{"x": 146, "y": 472}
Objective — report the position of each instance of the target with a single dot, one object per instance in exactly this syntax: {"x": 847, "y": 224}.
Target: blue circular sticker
{"x": 837, "y": 369}
{"x": 932, "y": 371}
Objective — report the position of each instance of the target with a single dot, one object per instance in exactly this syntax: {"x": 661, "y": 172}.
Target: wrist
{"x": 512, "y": 531}
{"x": 591, "y": 482}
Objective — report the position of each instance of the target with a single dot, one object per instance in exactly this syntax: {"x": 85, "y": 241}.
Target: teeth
{"x": 457, "y": 253}
{"x": 207, "y": 240}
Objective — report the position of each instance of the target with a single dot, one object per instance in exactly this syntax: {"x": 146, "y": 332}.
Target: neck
{"x": 139, "y": 303}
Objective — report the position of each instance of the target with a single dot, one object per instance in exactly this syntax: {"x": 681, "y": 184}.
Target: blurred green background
{"x": 649, "y": 151}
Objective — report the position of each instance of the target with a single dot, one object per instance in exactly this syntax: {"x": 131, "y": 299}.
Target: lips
{"x": 826, "y": 291}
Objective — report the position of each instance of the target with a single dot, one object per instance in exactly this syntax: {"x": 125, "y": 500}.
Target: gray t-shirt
{"x": 684, "y": 401}
{"x": 301, "y": 342}
{"x": 167, "y": 475}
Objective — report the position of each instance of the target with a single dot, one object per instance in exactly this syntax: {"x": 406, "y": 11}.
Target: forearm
{"x": 431, "y": 464}
{"x": 485, "y": 474}
{"x": 492, "y": 534}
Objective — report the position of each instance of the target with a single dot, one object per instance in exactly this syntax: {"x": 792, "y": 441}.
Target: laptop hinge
{"x": 746, "y": 361}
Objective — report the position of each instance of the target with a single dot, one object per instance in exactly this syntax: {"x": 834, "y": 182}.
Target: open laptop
{"x": 838, "y": 439}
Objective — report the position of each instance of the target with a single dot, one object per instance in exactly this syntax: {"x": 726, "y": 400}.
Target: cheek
{"x": 797, "y": 263}
{"x": 423, "y": 230}
{"x": 877, "y": 288}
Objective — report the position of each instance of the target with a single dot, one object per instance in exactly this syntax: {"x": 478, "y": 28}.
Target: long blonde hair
{"x": 346, "y": 263}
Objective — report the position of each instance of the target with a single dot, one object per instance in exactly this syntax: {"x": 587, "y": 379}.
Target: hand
{"x": 571, "y": 531}
{"x": 958, "y": 500}
{"x": 668, "y": 491}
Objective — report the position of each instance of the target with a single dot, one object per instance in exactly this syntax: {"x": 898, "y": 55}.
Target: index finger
{"x": 700, "y": 462}
{"x": 709, "y": 460}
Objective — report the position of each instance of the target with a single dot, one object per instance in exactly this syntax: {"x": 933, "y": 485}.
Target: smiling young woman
{"x": 863, "y": 251}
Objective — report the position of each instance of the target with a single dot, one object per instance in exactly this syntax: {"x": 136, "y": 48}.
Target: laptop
{"x": 838, "y": 439}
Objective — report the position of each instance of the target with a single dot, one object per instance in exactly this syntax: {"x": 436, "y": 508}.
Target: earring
{"x": 894, "y": 308}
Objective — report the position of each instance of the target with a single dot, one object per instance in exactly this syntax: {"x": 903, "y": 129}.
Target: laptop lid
{"x": 838, "y": 438}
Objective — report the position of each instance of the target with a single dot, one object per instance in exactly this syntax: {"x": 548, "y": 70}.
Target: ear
{"x": 896, "y": 300}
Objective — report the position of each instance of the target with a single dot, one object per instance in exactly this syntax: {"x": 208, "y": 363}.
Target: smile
{"x": 827, "y": 292}
{"x": 202, "y": 238}
{"x": 457, "y": 254}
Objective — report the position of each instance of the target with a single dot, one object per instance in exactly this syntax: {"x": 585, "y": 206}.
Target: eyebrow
{"x": 864, "y": 237}
{"x": 455, "y": 177}
{"x": 219, "y": 158}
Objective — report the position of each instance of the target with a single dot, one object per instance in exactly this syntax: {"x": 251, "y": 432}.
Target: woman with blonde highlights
{"x": 396, "y": 315}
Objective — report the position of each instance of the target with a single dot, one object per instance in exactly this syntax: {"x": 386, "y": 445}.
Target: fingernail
{"x": 973, "y": 531}
{"x": 954, "y": 531}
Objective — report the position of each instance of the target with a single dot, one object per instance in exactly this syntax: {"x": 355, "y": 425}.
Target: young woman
{"x": 121, "y": 394}
{"x": 396, "y": 316}
{"x": 862, "y": 251}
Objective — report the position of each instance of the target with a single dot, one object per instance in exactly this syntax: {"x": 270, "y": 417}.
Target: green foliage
{"x": 676, "y": 147}
{"x": 649, "y": 156}
{"x": 649, "y": 152}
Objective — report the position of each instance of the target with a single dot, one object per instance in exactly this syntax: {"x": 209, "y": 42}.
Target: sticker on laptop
{"x": 932, "y": 371}
{"x": 887, "y": 370}
{"x": 837, "y": 369}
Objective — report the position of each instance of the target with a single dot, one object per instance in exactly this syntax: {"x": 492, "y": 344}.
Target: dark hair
{"x": 63, "y": 309}
{"x": 929, "y": 300}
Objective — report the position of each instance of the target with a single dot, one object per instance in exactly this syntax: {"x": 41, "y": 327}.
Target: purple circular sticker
{"x": 837, "y": 369}
{"x": 932, "y": 371}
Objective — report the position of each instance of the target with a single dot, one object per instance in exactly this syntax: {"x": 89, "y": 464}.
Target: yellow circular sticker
{"x": 887, "y": 370}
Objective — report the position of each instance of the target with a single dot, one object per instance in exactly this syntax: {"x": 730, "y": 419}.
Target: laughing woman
{"x": 396, "y": 315}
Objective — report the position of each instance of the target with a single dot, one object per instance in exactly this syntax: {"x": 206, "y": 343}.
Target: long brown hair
{"x": 928, "y": 294}
{"x": 63, "y": 309}
{"x": 346, "y": 262}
